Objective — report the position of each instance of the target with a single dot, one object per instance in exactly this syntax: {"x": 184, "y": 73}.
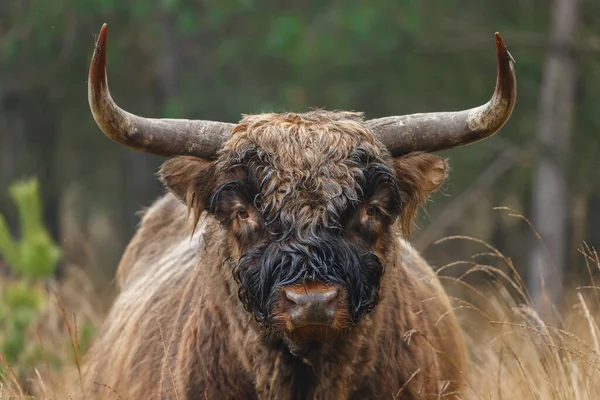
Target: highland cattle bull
{"x": 277, "y": 265}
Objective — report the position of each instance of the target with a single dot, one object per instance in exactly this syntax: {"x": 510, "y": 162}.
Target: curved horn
{"x": 164, "y": 137}
{"x": 444, "y": 130}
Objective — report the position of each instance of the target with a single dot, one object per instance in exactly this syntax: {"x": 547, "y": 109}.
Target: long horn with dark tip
{"x": 164, "y": 137}
{"x": 444, "y": 130}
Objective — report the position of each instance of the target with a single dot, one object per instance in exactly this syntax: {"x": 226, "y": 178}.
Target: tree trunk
{"x": 550, "y": 189}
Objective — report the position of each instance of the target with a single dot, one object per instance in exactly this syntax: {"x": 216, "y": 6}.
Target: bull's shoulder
{"x": 413, "y": 261}
{"x": 431, "y": 316}
{"x": 162, "y": 224}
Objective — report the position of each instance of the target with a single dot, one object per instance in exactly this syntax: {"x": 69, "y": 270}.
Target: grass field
{"x": 516, "y": 353}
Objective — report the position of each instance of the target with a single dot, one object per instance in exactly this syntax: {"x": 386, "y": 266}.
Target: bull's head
{"x": 312, "y": 202}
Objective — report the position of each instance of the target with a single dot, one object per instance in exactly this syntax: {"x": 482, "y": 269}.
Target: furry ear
{"x": 419, "y": 175}
{"x": 191, "y": 179}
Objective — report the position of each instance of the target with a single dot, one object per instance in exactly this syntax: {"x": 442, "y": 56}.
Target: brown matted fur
{"x": 178, "y": 329}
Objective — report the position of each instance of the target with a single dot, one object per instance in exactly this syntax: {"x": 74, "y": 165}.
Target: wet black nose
{"x": 306, "y": 307}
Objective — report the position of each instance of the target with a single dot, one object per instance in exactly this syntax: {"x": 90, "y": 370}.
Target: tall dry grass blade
{"x": 70, "y": 331}
{"x": 548, "y": 337}
{"x": 465, "y": 284}
{"x": 40, "y": 383}
{"x": 12, "y": 375}
{"x": 109, "y": 388}
{"x": 592, "y": 324}
{"x": 490, "y": 270}
{"x": 574, "y": 382}
{"x": 524, "y": 376}
{"x": 66, "y": 391}
{"x": 410, "y": 378}
{"x": 495, "y": 251}
{"x": 499, "y": 375}
{"x": 76, "y": 334}
{"x": 450, "y": 265}
{"x": 552, "y": 261}
{"x": 589, "y": 269}
{"x": 45, "y": 359}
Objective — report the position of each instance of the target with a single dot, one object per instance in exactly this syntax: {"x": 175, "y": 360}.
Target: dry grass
{"x": 73, "y": 304}
{"x": 516, "y": 353}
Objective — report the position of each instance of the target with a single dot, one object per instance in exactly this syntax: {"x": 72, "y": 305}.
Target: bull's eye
{"x": 371, "y": 211}
{"x": 243, "y": 214}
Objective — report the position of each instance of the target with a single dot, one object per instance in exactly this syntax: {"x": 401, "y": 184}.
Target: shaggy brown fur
{"x": 178, "y": 330}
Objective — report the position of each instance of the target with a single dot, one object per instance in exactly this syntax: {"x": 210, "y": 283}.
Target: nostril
{"x": 294, "y": 296}
{"x": 330, "y": 295}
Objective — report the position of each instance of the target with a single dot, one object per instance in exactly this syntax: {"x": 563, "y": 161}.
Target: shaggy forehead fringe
{"x": 316, "y": 115}
{"x": 290, "y": 133}
{"x": 307, "y": 164}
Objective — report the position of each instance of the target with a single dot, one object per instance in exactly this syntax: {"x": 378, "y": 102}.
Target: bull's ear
{"x": 419, "y": 175}
{"x": 191, "y": 179}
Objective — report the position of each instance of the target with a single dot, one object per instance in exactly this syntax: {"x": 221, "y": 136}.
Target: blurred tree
{"x": 551, "y": 191}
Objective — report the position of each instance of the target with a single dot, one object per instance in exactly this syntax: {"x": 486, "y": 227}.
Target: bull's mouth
{"x": 312, "y": 333}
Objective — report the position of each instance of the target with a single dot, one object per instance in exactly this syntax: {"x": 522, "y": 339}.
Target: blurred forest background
{"x": 67, "y": 228}
{"x": 218, "y": 59}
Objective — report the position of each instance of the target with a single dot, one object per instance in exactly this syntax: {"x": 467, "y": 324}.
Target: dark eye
{"x": 243, "y": 214}
{"x": 371, "y": 211}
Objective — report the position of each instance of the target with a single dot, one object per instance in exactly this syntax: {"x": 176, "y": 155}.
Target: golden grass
{"x": 516, "y": 352}
{"x": 73, "y": 303}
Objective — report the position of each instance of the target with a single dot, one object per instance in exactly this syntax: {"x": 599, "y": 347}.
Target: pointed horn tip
{"x": 96, "y": 74}
{"x": 102, "y": 37}
{"x": 501, "y": 49}
{"x": 500, "y": 46}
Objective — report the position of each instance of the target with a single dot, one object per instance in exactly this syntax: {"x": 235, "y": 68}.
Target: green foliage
{"x": 35, "y": 256}
{"x": 10, "y": 47}
{"x": 19, "y": 304}
{"x": 31, "y": 260}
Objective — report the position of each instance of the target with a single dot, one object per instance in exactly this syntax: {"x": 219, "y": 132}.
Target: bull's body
{"x": 277, "y": 267}
{"x": 178, "y": 329}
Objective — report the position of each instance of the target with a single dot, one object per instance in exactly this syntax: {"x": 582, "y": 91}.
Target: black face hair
{"x": 262, "y": 270}
{"x": 289, "y": 250}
